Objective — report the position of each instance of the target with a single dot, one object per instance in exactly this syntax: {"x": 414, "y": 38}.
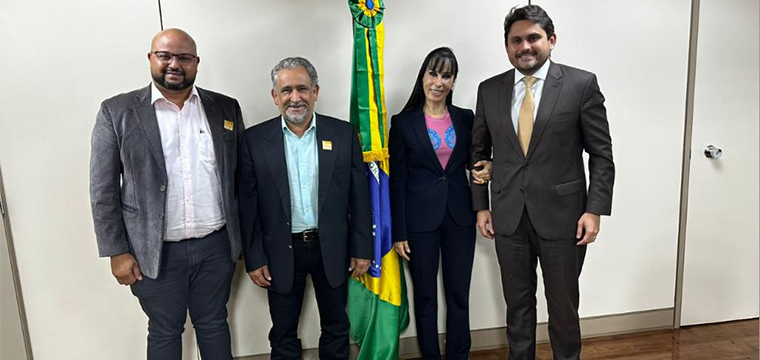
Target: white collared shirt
{"x": 194, "y": 201}
{"x": 518, "y": 92}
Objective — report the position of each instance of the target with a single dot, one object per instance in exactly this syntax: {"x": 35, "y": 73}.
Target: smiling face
{"x": 294, "y": 95}
{"x": 437, "y": 83}
{"x": 528, "y": 47}
{"x": 173, "y": 74}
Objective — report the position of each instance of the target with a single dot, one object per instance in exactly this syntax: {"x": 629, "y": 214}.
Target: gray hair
{"x": 294, "y": 62}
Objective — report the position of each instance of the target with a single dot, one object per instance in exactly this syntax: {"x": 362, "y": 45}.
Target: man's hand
{"x": 125, "y": 269}
{"x": 358, "y": 266}
{"x": 588, "y": 228}
{"x": 402, "y": 248}
{"x": 261, "y": 276}
{"x": 485, "y": 223}
{"x": 482, "y": 176}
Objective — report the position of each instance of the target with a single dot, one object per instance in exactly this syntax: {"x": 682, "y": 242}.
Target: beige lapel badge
{"x": 326, "y": 145}
{"x": 229, "y": 125}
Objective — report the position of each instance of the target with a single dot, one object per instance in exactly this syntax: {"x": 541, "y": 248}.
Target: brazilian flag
{"x": 377, "y": 304}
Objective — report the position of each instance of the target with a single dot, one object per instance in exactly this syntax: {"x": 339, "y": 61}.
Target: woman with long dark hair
{"x": 431, "y": 204}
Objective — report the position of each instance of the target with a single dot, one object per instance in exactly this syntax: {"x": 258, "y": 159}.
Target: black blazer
{"x": 551, "y": 182}
{"x": 422, "y": 190}
{"x": 344, "y": 218}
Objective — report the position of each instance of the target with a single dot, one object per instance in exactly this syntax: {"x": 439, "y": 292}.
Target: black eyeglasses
{"x": 165, "y": 56}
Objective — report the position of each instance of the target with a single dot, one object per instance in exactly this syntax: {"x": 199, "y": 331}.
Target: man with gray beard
{"x": 162, "y": 190}
{"x": 301, "y": 175}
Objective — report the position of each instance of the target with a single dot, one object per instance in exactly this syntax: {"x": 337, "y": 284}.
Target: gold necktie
{"x": 525, "y": 119}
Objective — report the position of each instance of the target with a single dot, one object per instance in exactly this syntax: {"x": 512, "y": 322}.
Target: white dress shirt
{"x": 518, "y": 93}
{"x": 194, "y": 200}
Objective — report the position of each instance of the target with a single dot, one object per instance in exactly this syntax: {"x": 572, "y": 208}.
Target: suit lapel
{"x": 505, "y": 109}
{"x": 420, "y": 128}
{"x": 461, "y": 132}
{"x": 552, "y": 87}
{"x": 326, "y": 159}
{"x": 215, "y": 118}
{"x": 146, "y": 116}
{"x": 274, "y": 152}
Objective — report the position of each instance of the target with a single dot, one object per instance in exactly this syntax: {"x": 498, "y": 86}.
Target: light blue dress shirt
{"x": 303, "y": 175}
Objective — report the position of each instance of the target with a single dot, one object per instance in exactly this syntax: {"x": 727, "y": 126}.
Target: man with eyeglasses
{"x": 162, "y": 174}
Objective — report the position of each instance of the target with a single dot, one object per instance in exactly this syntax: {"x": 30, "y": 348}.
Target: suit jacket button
{"x": 442, "y": 177}
{"x": 163, "y": 188}
{"x": 161, "y": 216}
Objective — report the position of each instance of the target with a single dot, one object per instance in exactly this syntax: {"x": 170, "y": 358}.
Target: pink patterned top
{"x": 442, "y": 137}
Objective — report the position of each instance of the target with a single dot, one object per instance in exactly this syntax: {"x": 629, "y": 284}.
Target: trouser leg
{"x": 457, "y": 255}
{"x": 333, "y": 319}
{"x": 518, "y": 259}
{"x": 285, "y": 310}
{"x": 164, "y": 301}
{"x": 561, "y": 264}
{"x": 210, "y": 280}
{"x": 423, "y": 267}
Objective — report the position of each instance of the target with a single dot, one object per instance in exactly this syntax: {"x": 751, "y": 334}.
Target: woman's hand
{"x": 482, "y": 176}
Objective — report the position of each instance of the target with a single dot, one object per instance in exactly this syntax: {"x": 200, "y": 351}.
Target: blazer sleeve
{"x": 468, "y": 118}
{"x": 239, "y": 141}
{"x": 398, "y": 179}
{"x": 240, "y": 123}
{"x": 597, "y": 142}
{"x": 105, "y": 186}
{"x": 480, "y": 149}
{"x": 251, "y": 236}
{"x": 361, "y": 242}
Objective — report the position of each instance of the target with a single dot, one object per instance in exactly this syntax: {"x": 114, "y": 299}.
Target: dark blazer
{"x": 551, "y": 182}
{"x": 421, "y": 189}
{"x": 344, "y": 218}
{"x": 128, "y": 176}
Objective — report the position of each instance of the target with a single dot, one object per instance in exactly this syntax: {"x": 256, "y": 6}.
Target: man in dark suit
{"x": 542, "y": 211}
{"x": 304, "y": 208}
{"x": 162, "y": 190}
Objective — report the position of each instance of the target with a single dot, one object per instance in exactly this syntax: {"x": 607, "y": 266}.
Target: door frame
{"x": 6, "y": 225}
{"x": 686, "y": 162}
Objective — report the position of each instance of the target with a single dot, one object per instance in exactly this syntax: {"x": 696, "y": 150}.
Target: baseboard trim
{"x": 486, "y": 339}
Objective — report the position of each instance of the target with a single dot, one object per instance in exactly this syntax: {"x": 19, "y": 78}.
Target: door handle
{"x": 713, "y": 152}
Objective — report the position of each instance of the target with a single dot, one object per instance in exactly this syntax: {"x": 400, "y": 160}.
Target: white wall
{"x": 639, "y": 51}
{"x": 62, "y": 58}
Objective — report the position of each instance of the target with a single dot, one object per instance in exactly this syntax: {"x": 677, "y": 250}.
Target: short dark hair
{"x": 532, "y": 13}
{"x": 436, "y": 60}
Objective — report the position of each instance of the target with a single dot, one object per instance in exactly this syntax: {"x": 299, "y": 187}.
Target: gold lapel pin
{"x": 229, "y": 125}
{"x": 326, "y": 145}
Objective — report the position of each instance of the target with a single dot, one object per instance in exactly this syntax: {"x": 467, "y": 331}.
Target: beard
{"x": 295, "y": 119}
{"x": 531, "y": 67}
{"x": 182, "y": 85}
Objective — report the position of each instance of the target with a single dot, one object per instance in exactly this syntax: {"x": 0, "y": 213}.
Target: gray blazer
{"x": 128, "y": 176}
{"x": 551, "y": 182}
